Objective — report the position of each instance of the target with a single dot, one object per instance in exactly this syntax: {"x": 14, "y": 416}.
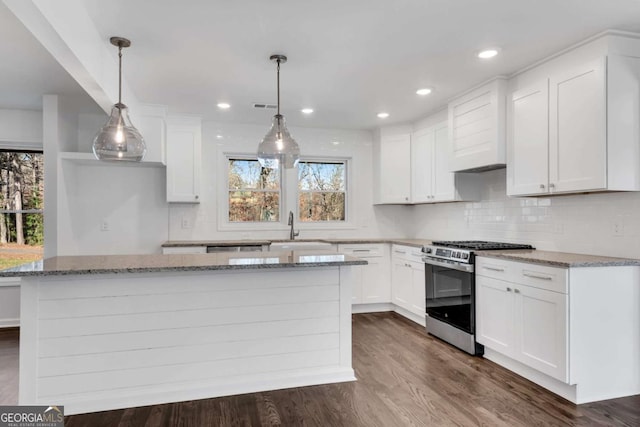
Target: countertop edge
{"x": 418, "y": 243}
{"x": 81, "y": 272}
{"x": 612, "y": 262}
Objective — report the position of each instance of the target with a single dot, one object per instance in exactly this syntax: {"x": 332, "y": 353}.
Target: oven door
{"x": 450, "y": 293}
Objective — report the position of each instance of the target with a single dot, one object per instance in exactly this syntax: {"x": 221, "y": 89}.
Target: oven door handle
{"x": 467, "y": 268}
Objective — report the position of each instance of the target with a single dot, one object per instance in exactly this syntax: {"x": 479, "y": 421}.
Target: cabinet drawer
{"x": 184, "y": 250}
{"x": 363, "y": 250}
{"x": 541, "y": 277}
{"x": 535, "y": 275}
{"x": 408, "y": 253}
{"x": 494, "y": 268}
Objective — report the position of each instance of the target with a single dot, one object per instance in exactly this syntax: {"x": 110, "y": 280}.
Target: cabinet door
{"x": 541, "y": 322}
{"x": 421, "y": 166}
{"x": 578, "y": 129}
{"x": 395, "y": 169}
{"x": 444, "y": 186}
{"x": 494, "y": 314}
{"x": 183, "y": 160}
{"x": 401, "y": 283}
{"x": 376, "y": 283}
{"x": 528, "y": 141}
{"x": 418, "y": 296}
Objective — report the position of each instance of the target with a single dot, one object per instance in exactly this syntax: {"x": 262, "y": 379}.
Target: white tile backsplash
{"x": 582, "y": 223}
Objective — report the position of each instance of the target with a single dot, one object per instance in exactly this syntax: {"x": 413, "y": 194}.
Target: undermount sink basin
{"x": 293, "y": 245}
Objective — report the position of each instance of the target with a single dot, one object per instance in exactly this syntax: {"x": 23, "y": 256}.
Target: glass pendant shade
{"x": 278, "y": 148}
{"x": 119, "y": 140}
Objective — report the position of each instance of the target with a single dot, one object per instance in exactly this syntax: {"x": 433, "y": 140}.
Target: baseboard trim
{"x": 372, "y": 308}
{"x": 155, "y": 395}
{"x": 9, "y": 323}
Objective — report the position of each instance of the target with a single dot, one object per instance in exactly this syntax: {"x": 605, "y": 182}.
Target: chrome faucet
{"x": 292, "y": 234}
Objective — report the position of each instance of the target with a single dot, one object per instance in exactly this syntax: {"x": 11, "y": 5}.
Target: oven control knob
{"x": 465, "y": 256}
{"x": 427, "y": 250}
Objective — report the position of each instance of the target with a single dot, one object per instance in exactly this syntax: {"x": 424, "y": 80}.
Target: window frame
{"x": 288, "y": 198}
{"x": 325, "y": 160}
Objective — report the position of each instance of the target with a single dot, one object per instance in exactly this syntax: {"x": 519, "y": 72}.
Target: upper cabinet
{"x": 477, "y": 128}
{"x": 392, "y": 160}
{"x": 414, "y": 168}
{"x": 184, "y": 140}
{"x": 575, "y": 127}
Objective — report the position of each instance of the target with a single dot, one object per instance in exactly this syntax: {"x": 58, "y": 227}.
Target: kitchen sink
{"x": 298, "y": 245}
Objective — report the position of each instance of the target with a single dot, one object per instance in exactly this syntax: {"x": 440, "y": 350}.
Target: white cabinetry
{"x": 392, "y": 159}
{"x": 477, "y": 127}
{"x": 372, "y": 284}
{"x": 573, "y": 131}
{"x": 152, "y": 126}
{"x": 523, "y": 321}
{"x": 184, "y": 140}
{"x": 414, "y": 168}
{"x": 574, "y": 331}
{"x": 408, "y": 282}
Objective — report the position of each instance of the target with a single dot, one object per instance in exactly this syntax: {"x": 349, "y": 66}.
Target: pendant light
{"x": 278, "y": 146}
{"x": 119, "y": 140}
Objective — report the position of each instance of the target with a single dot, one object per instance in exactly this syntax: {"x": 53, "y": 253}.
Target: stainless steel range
{"x": 450, "y": 289}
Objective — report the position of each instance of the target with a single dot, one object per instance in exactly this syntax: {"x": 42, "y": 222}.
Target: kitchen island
{"x": 109, "y": 332}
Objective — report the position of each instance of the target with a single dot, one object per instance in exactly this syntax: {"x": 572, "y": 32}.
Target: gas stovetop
{"x": 462, "y": 251}
{"x": 479, "y": 245}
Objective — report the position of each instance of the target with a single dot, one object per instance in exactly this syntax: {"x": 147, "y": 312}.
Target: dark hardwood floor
{"x": 405, "y": 378}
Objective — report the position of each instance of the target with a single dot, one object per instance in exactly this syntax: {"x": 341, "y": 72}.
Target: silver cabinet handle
{"x": 552, "y": 185}
{"x": 197, "y": 197}
{"x": 508, "y": 289}
{"x": 400, "y": 252}
{"x": 542, "y": 186}
{"x": 406, "y": 199}
{"x": 361, "y": 250}
{"x": 493, "y": 268}
{"x": 535, "y": 276}
{"x": 517, "y": 291}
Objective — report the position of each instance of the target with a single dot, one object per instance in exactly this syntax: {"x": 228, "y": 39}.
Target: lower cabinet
{"x": 372, "y": 281}
{"x": 407, "y": 279}
{"x": 526, "y": 323}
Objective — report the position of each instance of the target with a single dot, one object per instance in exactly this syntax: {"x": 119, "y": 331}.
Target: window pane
{"x": 316, "y": 176}
{"x": 254, "y": 206}
{"x": 317, "y": 206}
{"x": 248, "y": 174}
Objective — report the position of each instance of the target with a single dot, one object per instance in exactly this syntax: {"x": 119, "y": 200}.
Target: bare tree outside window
{"x": 21, "y": 207}
{"x": 322, "y": 191}
{"x": 254, "y": 192}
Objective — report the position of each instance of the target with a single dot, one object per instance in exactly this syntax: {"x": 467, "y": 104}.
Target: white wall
{"x": 367, "y": 220}
{"x": 582, "y": 223}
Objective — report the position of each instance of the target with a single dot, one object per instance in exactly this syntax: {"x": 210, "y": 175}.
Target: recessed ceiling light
{"x": 383, "y": 115}
{"x": 307, "y": 110}
{"x": 335, "y": 142}
{"x": 423, "y": 91}
{"x": 223, "y": 105}
{"x": 219, "y": 136}
{"x": 488, "y": 53}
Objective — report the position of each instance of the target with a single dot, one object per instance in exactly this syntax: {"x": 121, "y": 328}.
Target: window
{"x": 322, "y": 191}
{"x": 254, "y": 192}
{"x": 21, "y": 207}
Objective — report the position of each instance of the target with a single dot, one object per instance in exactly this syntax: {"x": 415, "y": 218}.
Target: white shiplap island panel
{"x": 96, "y": 342}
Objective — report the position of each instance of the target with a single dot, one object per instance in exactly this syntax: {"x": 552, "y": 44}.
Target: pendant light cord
{"x": 120, "y": 74}
{"x": 278, "y": 87}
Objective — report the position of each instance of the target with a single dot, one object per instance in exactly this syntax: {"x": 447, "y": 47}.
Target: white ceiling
{"x": 28, "y": 71}
{"x": 348, "y": 59}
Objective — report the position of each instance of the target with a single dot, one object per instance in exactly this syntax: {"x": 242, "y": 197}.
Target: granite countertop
{"x": 186, "y": 243}
{"x": 559, "y": 259}
{"x": 105, "y": 264}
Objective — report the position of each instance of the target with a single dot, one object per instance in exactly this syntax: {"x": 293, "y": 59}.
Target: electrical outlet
{"x": 618, "y": 228}
{"x": 186, "y": 222}
{"x": 104, "y": 225}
